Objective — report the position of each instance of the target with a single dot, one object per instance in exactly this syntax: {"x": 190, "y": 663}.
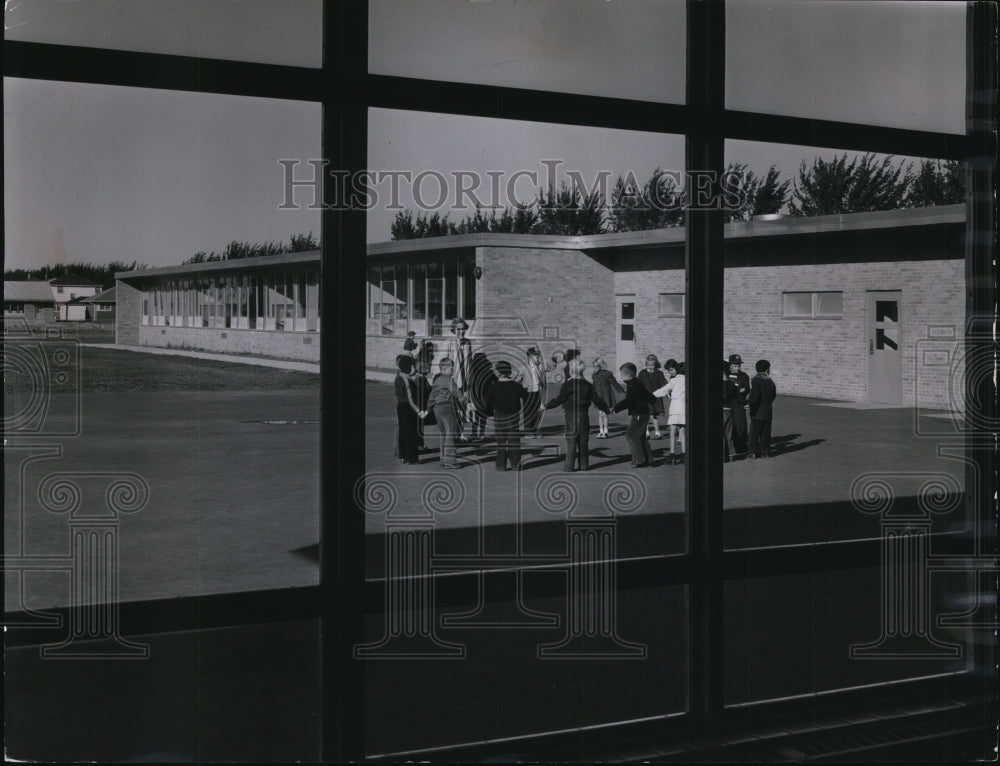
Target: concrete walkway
{"x": 282, "y": 364}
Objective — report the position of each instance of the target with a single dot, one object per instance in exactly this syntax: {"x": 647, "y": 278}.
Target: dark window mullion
{"x": 68, "y": 63}
{"x": 704, "y": 147}
{"x": 342, "y": 463}
{"x": 828, "y": 134}
{"x": 392, "y": 92}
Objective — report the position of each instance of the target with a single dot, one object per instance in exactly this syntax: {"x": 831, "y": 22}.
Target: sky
{"x": 96, "y": 173}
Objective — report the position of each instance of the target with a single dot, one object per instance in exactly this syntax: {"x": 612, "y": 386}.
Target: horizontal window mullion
{"x": 797, "y": 559}
{"x": 137, "y": 618}
{"x": 391, "y": 92}
{"x": 68, "y": 63}
{"x": 804, "y": 131}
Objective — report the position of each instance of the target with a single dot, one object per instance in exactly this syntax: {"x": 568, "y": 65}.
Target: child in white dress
{"x": 675, "y": 416}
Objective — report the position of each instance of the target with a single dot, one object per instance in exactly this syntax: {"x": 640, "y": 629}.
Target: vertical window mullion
{"x": 704, "y": 151}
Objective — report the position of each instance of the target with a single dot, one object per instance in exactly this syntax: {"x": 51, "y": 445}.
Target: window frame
{"x": 346, "y": 91}
{"x": 814, "y": 300}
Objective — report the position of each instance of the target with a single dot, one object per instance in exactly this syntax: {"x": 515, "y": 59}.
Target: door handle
{"x": 871, "y": 347}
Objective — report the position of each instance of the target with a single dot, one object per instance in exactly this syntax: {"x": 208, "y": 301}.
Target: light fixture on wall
{"x": 477, "y": 272}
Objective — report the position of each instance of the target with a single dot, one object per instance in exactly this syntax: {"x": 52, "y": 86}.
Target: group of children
{"x": 516, "y": 403}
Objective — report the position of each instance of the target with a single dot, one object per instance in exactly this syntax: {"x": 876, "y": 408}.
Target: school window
{"x": 671, "y": 305}
{"x": 419, "y": 297}
{"x": 825, "y": 305}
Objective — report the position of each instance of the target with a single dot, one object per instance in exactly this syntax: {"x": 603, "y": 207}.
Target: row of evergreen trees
{"x": 105, "y": 275}
{"x": 827, "y": 187}
{"x": 102, "y": 275}
{"x": 299, "y": 243}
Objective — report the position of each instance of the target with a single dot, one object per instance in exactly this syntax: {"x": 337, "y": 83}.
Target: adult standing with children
{"x": 536, "y": 384}
{"x": 458, "y": 349}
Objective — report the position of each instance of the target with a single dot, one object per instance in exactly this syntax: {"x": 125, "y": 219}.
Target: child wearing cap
{"x": 740, "y": 409}
{"x": 503, "y": 401}
{"x": 762, "y": 395}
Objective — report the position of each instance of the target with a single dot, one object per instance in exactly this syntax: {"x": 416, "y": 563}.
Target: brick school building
{"x": 867, "y": 307}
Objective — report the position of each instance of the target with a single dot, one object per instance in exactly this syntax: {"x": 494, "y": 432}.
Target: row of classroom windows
{"x": 422, "y": 297}
{"x": 281, "y": 301}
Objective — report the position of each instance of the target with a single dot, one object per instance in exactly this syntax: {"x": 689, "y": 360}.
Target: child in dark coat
{"x": 503, "y": 401}
{"x": 576, "y": 396}
{"x": 652, "y": 378}
{"x": 604, "y": 386}
{"x": 638, "y": 401}
{"x": 407, "y": 412}
{"x": 762, "y": 395}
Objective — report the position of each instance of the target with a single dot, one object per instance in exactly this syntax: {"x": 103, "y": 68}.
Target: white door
{"x": 625, "y": 329}
{"x": 885, "y": 352}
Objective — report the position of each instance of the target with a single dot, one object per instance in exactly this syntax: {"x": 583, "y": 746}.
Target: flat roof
{"x": 205, "y": 267}
{"x": 762, "y": 227}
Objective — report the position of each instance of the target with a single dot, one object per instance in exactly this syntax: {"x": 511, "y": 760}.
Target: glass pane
{"x": 897, "y": 64}
{"x": 194, "y": 697}
{"x": 627, "y": 332}
{"x": 886, "y": 311}
{"x": 858, "y": 422}
{"x": 798, "y": 304}
{"x": 830, "y": 304}
{"x": 469, "y": 290}
{"x": 267, "y": 31}
{"x": 821, "y": 631}
{"x": 628, "y": 311}
{"x": 539, "y": 683}
{"x": 542, "y": 45}
{"x": 113, "y": 180}
{"x": 482, "y": 487}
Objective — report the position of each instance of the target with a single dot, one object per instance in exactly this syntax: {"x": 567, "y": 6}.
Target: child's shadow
{"x": 784, "y": 445}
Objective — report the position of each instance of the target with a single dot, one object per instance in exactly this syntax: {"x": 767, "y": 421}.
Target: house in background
{"x": 30, "y": 298}
{"x": 68, "y": 292}
{"x": 101, "y": 307}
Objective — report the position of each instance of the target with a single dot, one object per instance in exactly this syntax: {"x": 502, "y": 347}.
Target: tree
{"x": 570, "y": 212}
{"x": 836, "y": 186}
{"x": 756, "y": 196}
{"x": 659, "y": 204}
{"x": 937, "y": 183}
{"x": 236, "y": 250}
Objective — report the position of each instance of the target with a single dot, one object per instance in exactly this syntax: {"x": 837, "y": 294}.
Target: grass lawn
{"x": 113, "y": 370}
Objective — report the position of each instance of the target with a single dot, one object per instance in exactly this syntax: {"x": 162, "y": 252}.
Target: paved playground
{"x": 234, "y": 487}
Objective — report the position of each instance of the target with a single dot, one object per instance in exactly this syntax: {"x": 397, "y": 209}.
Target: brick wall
{"x": 128, "y": 313}
{"x": 646, "y": 275}
{"x": 572, "y": 293}
{"x": 301, "y": 346}
{"x": 827, "y": 358}
{"x": 551, "y": 291}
